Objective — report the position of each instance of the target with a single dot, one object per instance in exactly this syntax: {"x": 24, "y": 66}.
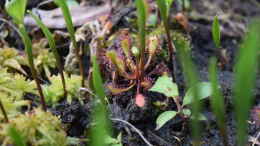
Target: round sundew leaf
{"x": 164, "y": 118}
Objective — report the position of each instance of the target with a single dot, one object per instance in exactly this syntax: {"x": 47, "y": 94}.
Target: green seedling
{"x": 164, "y": 85}
{"x": 217, "y": 101}
{"x": 67, "y": 16}
{"x": 216, "y": 35}
{"x": 245, "y": 76}
{"x": 52, "y": 44}
{"x": 102, "y": 128}
{"x": 164, "y": 8}
{"x": 16, "y": 9}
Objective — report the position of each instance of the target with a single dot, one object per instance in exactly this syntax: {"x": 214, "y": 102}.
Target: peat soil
{"x": 235, "y": 16}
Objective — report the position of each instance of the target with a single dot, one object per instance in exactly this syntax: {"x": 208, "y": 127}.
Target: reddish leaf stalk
{"x": 79, "y": 55}
{"x": 4, "y": 112}
{"x": 28, "y": 46}
{"x": 171, "y": 49}
{"x": 63, "y": 80}
{"x": 223, "y": 133}
{"x": 34, "y": 74}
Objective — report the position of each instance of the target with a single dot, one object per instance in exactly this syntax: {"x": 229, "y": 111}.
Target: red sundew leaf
{"x": 140, "y": 100}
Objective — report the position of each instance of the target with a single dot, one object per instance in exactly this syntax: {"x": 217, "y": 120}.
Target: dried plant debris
{"x": 80, "y": 15}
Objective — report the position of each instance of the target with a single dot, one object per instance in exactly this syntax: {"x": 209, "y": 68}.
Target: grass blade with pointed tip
{"x": 102, "y": 128}
{"x": 164, "y": 7}
{"x": 245, "y": 76}
{"x": 217, "y": 101}
{"x": 216, "y": 32}
{"x": 52, "y": 44}
{"x": 192, "y": 80}
{"x": 142, "y": 13}
{"x": 67, "y": 16}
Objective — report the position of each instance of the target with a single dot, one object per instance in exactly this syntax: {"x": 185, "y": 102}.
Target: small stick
{"x": 135, "y": 129}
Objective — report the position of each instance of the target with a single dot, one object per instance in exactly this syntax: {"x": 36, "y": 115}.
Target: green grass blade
{"x": 102, "y": 128}
{"x": 217, "y": 100}
{"x": 16, "y": 137}
{"x": 16, "y": 9}
{"x": 164, "y": 7}
{"x": 216, "y": 34}
{"x": 52, "y": 44}
{"x": 192, "y": 80}
{"x": 45, "y": 30}
{"x": 28, "y": 45}
{"x": 28, "y": 49}
{"x": 67, "y": 16}
{"x": 97, "y": 80}
{"x": 245, "y": 76}
{"x": 141, "y": 20}
{"x": 49, "y": 37}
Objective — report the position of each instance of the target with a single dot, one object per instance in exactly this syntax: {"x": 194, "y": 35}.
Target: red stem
{"x": 4, "y": 112}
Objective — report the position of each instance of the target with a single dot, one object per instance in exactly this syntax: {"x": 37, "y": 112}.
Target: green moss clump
{"x": 54, "y": 92}
{"x": 38, "y": 128}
